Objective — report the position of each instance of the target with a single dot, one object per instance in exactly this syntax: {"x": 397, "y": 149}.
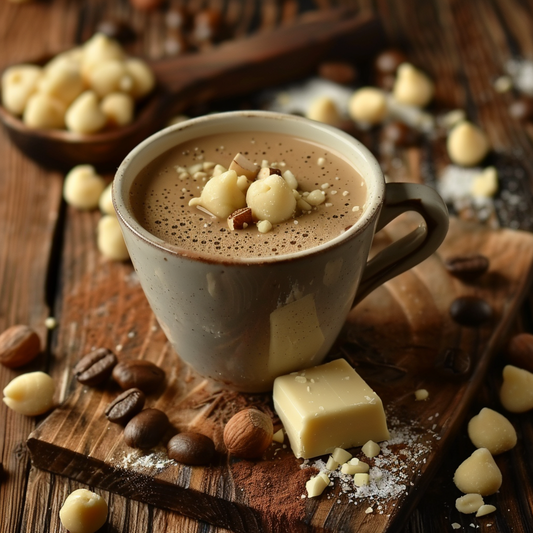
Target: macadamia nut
{"x": 323, "y": 109}
{"x": 469, "y": 503}
{"x": 83, "y": 512}
{"x": 30, "y": 394}
{"x": 368, "y": 105}
{"x": 118, "y": 108}
{"x": 18, "y": 84}
{"x": 83, "y": 187}
{"x": 85, "y": 115}
{"x": 143, "y": 78}
{"x": 110, "y": 76}
{"x": 62, "y": 81}
{"x": 467, "y": 144}
{"x": 271, "y": 199}
{"x": 44, "y": 111}
{"x": 110, "y": 240}
{"x": 491, "y": 430}
{"x": 97, "y": 50}
{"x": 412, "y": 86}
{"x": 478, "y": 474}
{"x": 221, "y": 195}
{"x": 516, "y": 393}
{"x": 105, "y": 202}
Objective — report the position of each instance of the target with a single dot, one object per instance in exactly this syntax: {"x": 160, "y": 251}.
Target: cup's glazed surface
{"x": 245, "y": 321}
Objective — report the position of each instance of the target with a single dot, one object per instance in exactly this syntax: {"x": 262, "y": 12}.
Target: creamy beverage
{"x": 160, "y": 195}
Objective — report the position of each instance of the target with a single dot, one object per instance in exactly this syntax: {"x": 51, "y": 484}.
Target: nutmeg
{"x": 248, "y": 433}
{"x": 19, "y": 345}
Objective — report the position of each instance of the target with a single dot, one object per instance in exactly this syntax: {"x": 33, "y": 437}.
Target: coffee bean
{"x": 337, "y": 72}
{"x": 125, "y": 406}
{"x": 467, "y": 267}
{"x": 520, "y": 351}
{"x": 140, "y": 374}
{"x": 191, "y": 448}
{"x": 470, "y": 311}
{"x": 95, "y": 367}
{"x": 146, "y": 429}
{"x": 453, "y": 362}
{"x": 388, "y": 61}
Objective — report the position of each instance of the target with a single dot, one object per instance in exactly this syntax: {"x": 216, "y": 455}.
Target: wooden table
{"x": 47, "y": 250}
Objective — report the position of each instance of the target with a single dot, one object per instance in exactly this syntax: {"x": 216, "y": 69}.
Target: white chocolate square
{"x": 332, "y": 407}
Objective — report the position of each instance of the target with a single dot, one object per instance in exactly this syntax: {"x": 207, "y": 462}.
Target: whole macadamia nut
{"x": 98, "y": 49}
{"x": 467, "y": 144}
{"x": 516, "y": 393}
{"x": 18, "y": 84}
{"x": 143, "y": 77}
{"x": 83, "y": 187}
{"x": 478, "y": 474}
{"x": 44, "y": 111}
{"x": 491, "y": 430}
{"x": 412, "y": 86}
{"x": 271, "y": 199}
{"x": 84, "y": 115}
{"x": 30, "y": 394}
{"x": 110, "y": 240}
{"x": 324, "y": 109}
{"x": 83, "y": 512}
{"x": 368, "y": 105}
{"x": 118, "y": 108}
{"x": 62, "y": 81}
{"x": 110, "y": 76}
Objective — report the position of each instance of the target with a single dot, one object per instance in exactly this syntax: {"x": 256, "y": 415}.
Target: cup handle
{"x": 416, "y": 246}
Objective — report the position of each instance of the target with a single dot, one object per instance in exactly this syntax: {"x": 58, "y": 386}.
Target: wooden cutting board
{"x": 400, "y": 338}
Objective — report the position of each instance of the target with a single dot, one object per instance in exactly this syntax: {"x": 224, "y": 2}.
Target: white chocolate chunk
{"x": 485, "y": 185}
{"x": 316, "y": 485}
{"x": 341, "y": 456}
{"x": 271, "y": 199}
{"x": 83, "y": 512}
{"x": 291, "y": 180}
{"x": 421, "y": 394}
{"x": 351, "y": 415}
{"x": 332, "y": 464}
{"x": 295, "y": 336}
{"x": 110, "y": 240}
{"x": 469, "y": 503}
{"x": 516, "y": 393}
{"x": 221, "y": 195}
{"x": 478, "y": 474}
{"x": 467, "y": 144}
{"x": 412, "y": 86}
{"x": 371, "y": 449}
{"x": 279, "y": 436}
{"x": 485, "y": 509}
{"x": 84, "y": 114}
{"x": 354, "y": 466}
{"x": 361, "y": 479}
{"x": 30, "y": 394}
{"x": 244, "y": 167}
{"x": 316, "y": 197}
{"x": 18, "y": 84}
{"x": 83, "y": 187}
{"x": 493, "y": 431}
{"x": 368, "y": 105}
{"x": 264, "y": 226}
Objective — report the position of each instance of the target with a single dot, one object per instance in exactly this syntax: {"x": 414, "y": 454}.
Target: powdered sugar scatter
{"x": 140, "y": 462}
{"x": 391, "y": 472}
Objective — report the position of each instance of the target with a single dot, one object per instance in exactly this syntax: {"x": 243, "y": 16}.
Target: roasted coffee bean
{"x": 520, "y": 351}
{"x": 125, "y": 406}
{"x": 470, "y": 311}
{"x": 146, "y": 429}
{"x": 467, "y": 267}
{"x": 191, "y": 448}
{"x": 399, "y": 134}
{"x": 388, "y": 61}
{"x": 338, "y": 72}
{"x": 454, "y": 362}
{"x": 138, "y": 373}
{"x": 95, "y": 367}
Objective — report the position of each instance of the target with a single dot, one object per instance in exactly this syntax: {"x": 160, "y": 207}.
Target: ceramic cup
{"x": 243, "y": 322}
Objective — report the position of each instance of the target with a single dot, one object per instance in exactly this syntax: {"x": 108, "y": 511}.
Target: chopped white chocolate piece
{"x": 469, "y": 503}
{"x": 493, "y": 431}
{"x": 516, "y": 393}
{"x": 316, "y": 485}
{"x": 371, "y": 449}
{"x": 291, "y": 180}
{"x": 332, "y": 464}
{"x": 354, "y": 466}
{"x": 478, "y": 474}
{"x": 352, "y": 412}
{"x": 361, "y": 480}
{"x": 341, "y": 456}
{"x": 219, "y": 169}
{"x": 316, "y": 197}
{"x": 264, "y": 226}
{"x": 421, "y": 394}
{"x": 279, "y": 436}
{"x": 485, "y": 509}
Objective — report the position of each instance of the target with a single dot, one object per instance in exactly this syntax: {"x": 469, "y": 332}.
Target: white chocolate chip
{"x": 110, "y": 240}
{"x": 264, "y": 226}
{"x": 421, "y": 394}
{"x": 44, "y": 111}
{"x": 83, "y": 187}
{"x": 361, "y": 480}
{"x": 323, "y": 109}
{"x": 18, "y": 84}
{"x": 485, "y": 185}
{"x": 98, "y": 49}
{"x": 109, "y": 77}
{"x": 279, "y": 436}
{"x": 371, "y": 449}
{"x": 478, "y": 474}
{"x": 412, "y": 86}
{"x": 62, "y": 81}
{"x": 493, "y": 431}
{"x": 316, "y": 197}
{"x": 118, "y": 108}
{"x": 467, "y": 144}
{"x": 341, "y": 456}
{"x": 469, "y": 503}
{"x": 30, "y": 394}
{"x": 316, "y": 485}
{"x": 271, "y": 199}
{"x": 84, "y": 114}
{"x": 83, "y": 512}
{"x": 368, "y": 105}
{"x": 516, "y": 393}
{"x": 142, "y": 76}
{"x": 291, "y": 180}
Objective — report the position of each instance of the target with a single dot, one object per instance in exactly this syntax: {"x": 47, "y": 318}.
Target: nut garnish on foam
{"x": 246, "y": 193}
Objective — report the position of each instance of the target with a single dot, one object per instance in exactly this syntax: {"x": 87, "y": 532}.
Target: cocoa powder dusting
{"x": 274, "y": 488}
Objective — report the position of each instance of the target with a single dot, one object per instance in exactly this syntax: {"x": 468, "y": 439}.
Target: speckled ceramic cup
{"x": 243, "y": 322}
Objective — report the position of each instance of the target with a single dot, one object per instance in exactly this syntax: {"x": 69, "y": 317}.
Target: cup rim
{"x": 121, "y": 187}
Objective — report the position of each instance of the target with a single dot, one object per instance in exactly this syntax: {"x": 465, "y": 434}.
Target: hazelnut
{"x": 18, "y": 346}
{"x": 248, "y": 433}
{"x": 520, "y": 351}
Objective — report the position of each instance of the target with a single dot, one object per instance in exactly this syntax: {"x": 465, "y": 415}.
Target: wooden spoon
{"x": 230, "y": 69}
